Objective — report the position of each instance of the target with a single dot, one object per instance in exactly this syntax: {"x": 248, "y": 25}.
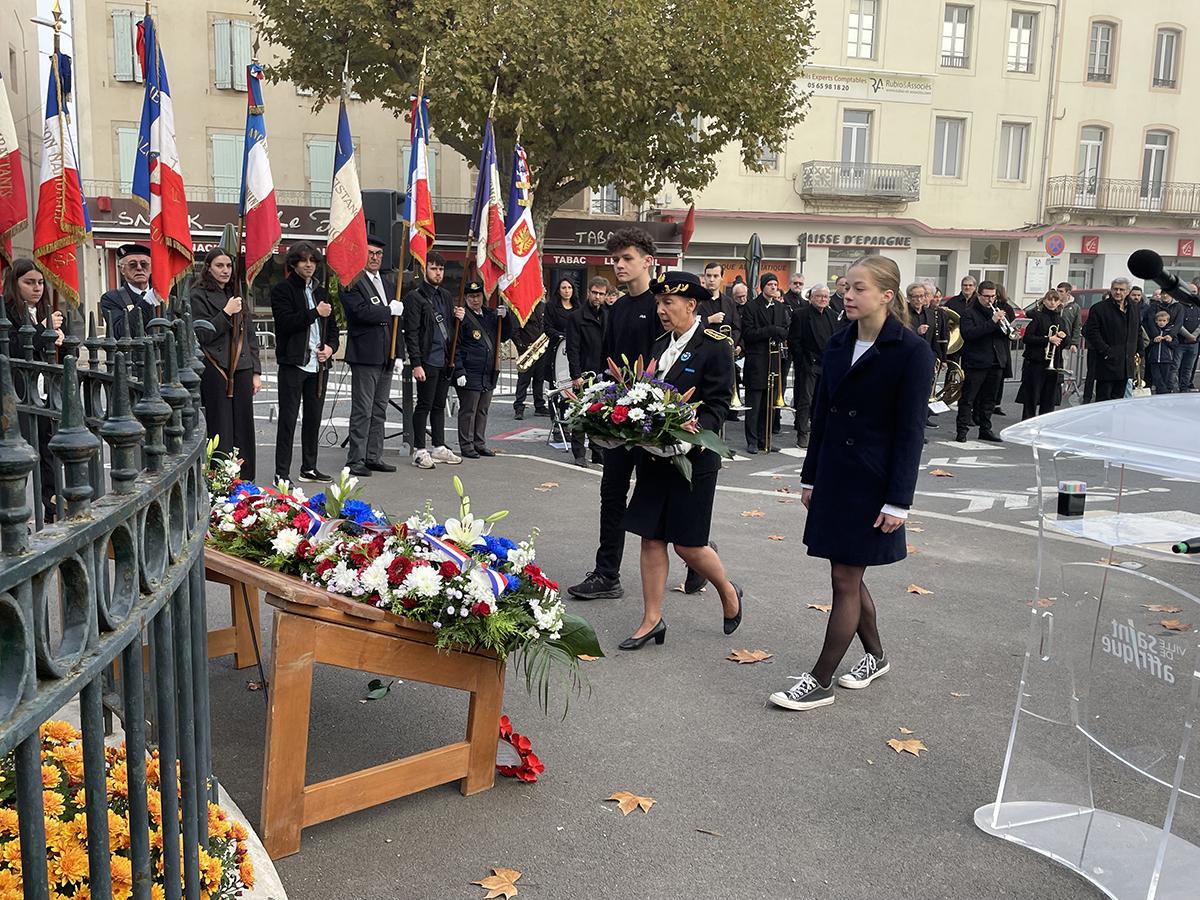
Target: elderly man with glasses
{"x": 135, "y": 293}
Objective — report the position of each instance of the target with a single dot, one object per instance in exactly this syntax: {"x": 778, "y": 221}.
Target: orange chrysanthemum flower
{"x": 246, "y": 871}
{"x": 71, "y": 865}
{"x": 122, "y": 878}
{"x": 59, "y": 732}
{"x": 53, "y": 804}
{"x": 51, "y": 776}
{"x": 8, "y": 821}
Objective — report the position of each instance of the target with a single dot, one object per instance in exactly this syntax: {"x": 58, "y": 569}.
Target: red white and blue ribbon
{"x": 451, "y": 551}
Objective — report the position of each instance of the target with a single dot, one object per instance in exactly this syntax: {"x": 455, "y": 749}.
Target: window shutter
{"x": 127, "y": 146}
{"x": 434, "y": 153}
{"x": 227, "y": 167}
{"x": 222, "y": 46}
{"x": 241, "y": 52}
{"x": 320, "y": 170}
{"x": 124, "y": 57}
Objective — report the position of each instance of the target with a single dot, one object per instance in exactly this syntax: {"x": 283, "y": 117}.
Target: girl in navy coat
{"x": 868, "y": 426}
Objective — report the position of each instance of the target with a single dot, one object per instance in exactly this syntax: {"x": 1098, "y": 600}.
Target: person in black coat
{"x": 1112, "y": 332}
{"x": 306, "y": 337}
{"x": 812, "y": 327}
{"x": 1010, "y": 313}
{"x": 985, "y": 349}
{"x": 428, "y": 312}
{"x": 1041, "y": 382}
{"x": 229, "y": 414}
{"x": 665, "y": 508}
{"x": 718, "y": 308}
{"x": 585, "y": 353}
{"x": 860, "y": 472}
{"x": 765, "y": 323}
{"x": 535, "y": 376}
{"x": 135, "y": 293}
{"x": 475, "y": 367}
{"x": 371, "y": 309}
{"x": 562, "y": 306}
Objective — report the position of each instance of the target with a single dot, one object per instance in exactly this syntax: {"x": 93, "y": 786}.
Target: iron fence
{"x": 111, "y": 448}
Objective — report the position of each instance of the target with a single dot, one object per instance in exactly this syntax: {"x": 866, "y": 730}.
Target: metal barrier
{"x": 121, "y": 435}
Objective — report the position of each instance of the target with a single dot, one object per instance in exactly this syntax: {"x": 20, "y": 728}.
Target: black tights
{"x": 853, "y": 613}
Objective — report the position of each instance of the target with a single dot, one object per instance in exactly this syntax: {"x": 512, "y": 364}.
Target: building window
{"x": 231, "y": 53}
{"x": 767, "y": 158}
{"x": 856, "y": 135}
{"x": 956, "y": 34}
{"x": 948, "y": 146}
{"x": 227, "y": 167}
{"x": 126, "y": 66}
{"x": 989, "y": 261}
{"x": 320, "y": 170}
{"x": 934, "y": 265}
{"x": 1166, "y": 55}
{"x": 842, "y": 258}
{"x": 606, "y": 201}
{"x": 1014, "y": 139}
{"x": 1022, "y": 33}
{"x": 127, "y": 148}
{"x": 1100, "y": 51}
{"x": 406, "y": 161}
{"x": 1091, "y": 162}
{"x": 1155, "y": 157}
{"x": 860, "y": 36}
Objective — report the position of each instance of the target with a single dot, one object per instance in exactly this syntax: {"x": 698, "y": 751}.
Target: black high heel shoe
{"x": 658, "y": 632}
{"x": 731, "y": 625}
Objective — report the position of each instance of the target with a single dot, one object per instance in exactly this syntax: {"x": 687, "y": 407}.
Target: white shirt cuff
{"x": 805, "y": 487}
{"x": 897, "y": 511}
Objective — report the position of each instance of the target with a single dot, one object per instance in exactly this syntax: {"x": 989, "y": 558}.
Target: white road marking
{"x": 972, "y": 462}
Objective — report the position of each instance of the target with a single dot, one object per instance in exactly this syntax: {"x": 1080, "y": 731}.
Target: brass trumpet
{"x": 735, "y": 400}
{"x": 533, "y": 352}
{"x": 1051, "y": 348}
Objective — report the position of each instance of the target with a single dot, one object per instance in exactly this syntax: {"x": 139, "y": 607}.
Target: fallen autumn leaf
{"x": 941, "y": 473}
{"x": 501, "y": 882}
{"x": 912, "y": 745}
{"x": 748, "y": 657}
{"x": 752, "y": 514}
{"x": 1175, "y": 625}
{"x": 1160, "y": 607}
{"x": 823, "y": 607}
{"x": 586, "y": 658}
{"x": 776, "y": 537}
{"x": 627, "y": 802}
{"x": 917, "y": 589}
{"x": 904, "y": 730}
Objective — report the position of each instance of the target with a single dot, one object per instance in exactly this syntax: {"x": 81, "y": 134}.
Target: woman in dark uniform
{"x": 665, "y": 509}
{"x": 868, "y": 425}
{"x": 214, "y": 301}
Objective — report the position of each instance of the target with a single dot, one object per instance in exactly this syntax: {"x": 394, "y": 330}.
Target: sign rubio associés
{"x": 855, "y": 84}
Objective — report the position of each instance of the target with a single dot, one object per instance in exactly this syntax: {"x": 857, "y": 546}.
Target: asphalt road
{"x": 752, "y": 801}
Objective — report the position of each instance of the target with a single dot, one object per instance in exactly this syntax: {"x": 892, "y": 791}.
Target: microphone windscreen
{"x": 1145, "y": 264}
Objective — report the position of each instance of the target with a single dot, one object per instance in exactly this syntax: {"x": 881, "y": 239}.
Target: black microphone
{"x": 1191, "y": 545}
{"x": 1148, "y": 266}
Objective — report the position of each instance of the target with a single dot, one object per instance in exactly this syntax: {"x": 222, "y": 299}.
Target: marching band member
{"x": 1041, "y": 387}
{"x": 585, "y": 352}
{"x": 229, "y": 415}
{"x": 475, "y": 368}
{"x": 765, "y": 323}
{"x": 370, "y": 304}
{"x": 665, "y": 508}
{"x": 523, "y": 338}
{"x": 306, "y": 337}
{"x": 985, "y": 349}
{"x": 812, "y": 327}
{"x": 861, "y": 469}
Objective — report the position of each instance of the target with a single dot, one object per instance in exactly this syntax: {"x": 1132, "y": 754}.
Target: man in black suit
{"x": 985, "y": 349}
{"x": 959, "y": 301}
{"x": 135, "y": 293}
{"x": 370, "y": 304}
{"x": 812, "y": 327}
{"x": 764, "y": 327}
{"x": 306, "y": 336}
{"x": 719, "y": 309}
{"x": 1113, "y": 334}
{"x": 837, "y": 300}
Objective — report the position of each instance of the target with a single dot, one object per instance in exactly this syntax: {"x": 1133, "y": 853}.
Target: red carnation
{"x": 399, "y": 570}
{"x": 324, "y": 566}
{"x": 532, "y": 571}
{"x": 408, "y": 602}
{"x": 505, "y": 727}
{"x": 620, "y": 414}
{"x": 376, "y": 545}
{"x": 595, "y": 407}
{"x": 240, "y": 513}
{"x": 301, "y": 522}
{"x": 305, "y": 550}
{"x": 481, "y": 609}
{"x": 448, "y": 569}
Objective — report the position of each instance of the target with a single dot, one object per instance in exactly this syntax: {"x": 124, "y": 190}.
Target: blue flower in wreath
{"x": 244, "y": 489}
{"x": 513, "y": 583}
{"x": 498, "y": 546}
{"x": 317, "y": 503}
{"x": 360, "y": 513}
{"x": 436, "y": 530}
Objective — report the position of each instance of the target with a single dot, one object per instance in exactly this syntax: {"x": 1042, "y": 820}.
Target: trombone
{"x": 735, "y": 400}
{"x": 774, "y": 388}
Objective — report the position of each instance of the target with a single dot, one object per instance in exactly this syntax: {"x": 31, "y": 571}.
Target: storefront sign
{"x": 1187, "y": 247}
{"x": 1090, "y": 244}
{"x": 1037, "y": 274}
{"x": 815, "y": 239}
{"x": 568, "y": 260}
{"x": 856, "y": 84}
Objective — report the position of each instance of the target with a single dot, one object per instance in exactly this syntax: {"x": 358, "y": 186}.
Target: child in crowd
{"x": 1160, "y": 356}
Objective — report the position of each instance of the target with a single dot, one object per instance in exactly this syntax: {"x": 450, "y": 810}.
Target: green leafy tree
{"x": 636, "y": 93}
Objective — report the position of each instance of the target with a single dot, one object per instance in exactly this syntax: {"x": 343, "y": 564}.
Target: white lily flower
{"x": 467, "y": 531}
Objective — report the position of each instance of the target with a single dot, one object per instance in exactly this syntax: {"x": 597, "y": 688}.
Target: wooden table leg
{"x": 483, "y": 727}
{"x": 247, "y": 629}
{"x": 292, "y": 652}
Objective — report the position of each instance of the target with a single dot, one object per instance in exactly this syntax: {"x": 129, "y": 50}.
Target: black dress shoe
{"x": 485, "y": 451}
{"x": 360, "y": 470}
{"x": 658, "y": 633}
{"x": 314, "y": 476}
{"x": 731, "y": 625}
{"x": 991, "y": 437}
{"x": 752, "y": 450}
{"x": 961, "y": 437}
{"x": 999, "y": 412}
{"x": 378, "y": 465}
{"x": 468, "y": 454}
{"x": 541, "y": 412}
{"x": 518, "y": 414}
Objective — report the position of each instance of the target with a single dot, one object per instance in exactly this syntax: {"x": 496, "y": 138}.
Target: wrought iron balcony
{"x": 1123, "y": 195}
{"x": 955, "y": 61}
{"x": 1099, "y": 75}
{"x": 868, "y": 181}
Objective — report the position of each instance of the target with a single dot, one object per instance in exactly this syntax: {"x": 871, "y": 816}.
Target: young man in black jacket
{"x": 585, "y": 351}
{"x": 985, "y": 349}
{"x": 306, "y": 336}
{"x": 428, "y": 329}
{"x": 633, "y": 327}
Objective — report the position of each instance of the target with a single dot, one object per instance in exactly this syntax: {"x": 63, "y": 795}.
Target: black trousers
{"x": 431, "y": 407}
{"x": 802, "y": 393}
{"x": 535, "y": 377}
{"x": 978, "y": 399}
{"x": 296, "y": 388}
{"x": 614, "y": 495}
{"x": 1110, "y": 390}
{"x": 473, "y": 409}
{"x": 785, "y": 364}
{"x": 1089, "y": 379}
{"x": 231, "y": 419}
{"x": 756, "y": 417}
{"x": 1039, "y": 393}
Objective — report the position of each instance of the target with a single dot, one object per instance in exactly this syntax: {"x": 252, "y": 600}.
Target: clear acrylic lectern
{"x": 1102, "y": 771}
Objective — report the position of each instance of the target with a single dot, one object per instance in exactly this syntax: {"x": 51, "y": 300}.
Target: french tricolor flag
{"x": 62, "y": 222}
{"x": 260, "y": 216}
{"x": 418, "y": 204}
{"x": 487, "y": 217}
{"x": 157, "y": 174}
{"x": 14, "y": 207}
{"x": 347, "y": 248}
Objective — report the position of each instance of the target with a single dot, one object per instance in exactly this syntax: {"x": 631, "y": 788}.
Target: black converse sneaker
{"x": 806, "y": 693}
{"x": 864, "y": 672}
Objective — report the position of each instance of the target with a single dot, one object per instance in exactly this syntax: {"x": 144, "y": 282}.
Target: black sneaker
{"x": 596, "y": 587}
{"x": 863, "y": 672}
{"x": 806, "y": 693}
{"x": 315, "y": 476}
{"x": 518, "y": 414}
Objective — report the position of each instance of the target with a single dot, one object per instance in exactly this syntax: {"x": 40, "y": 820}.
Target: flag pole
{"x": 404, "y": 243}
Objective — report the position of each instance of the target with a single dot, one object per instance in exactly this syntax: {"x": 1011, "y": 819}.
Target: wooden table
{"x": 313, "y": 626}
{"x": 245, "y": 634}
